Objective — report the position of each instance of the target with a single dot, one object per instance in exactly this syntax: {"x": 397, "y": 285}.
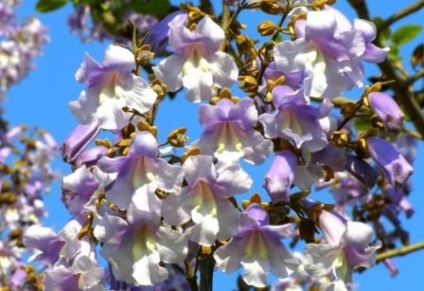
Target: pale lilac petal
{"x": 319, "y": 259}
{"x": 85, "y": 71}
{"x": 229, "y": 257}
{"x": 387, "y": 109}
{"x": 170, "y": 73}
{"x": 119, "y": 58}
{"x": 224, "y": 69}
{"x": 198, "y": 82}
{"x": 172, "y": 246}
{"x": 280, "y": 176}
{"x": 255, "y": 272}
{"x": 394, "y": 167}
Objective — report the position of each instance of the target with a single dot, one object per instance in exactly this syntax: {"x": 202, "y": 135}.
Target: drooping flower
{"x": 78, "y": 140}
{"x": 141, "y": 167}
{"x": 346, "y": 247}
{"x": 135, "y": 247}
{"x": 387, "y": 109}
{"x": 158, "y": 36}
{"x": 280, "y": 176}
{"x": 205, "y": 200}
{"x": 229, "y": 133}
{"x": 111, "y": 87}
{"x": 295, "y": 120}
{"x": 257, "y": 248}
{"x": 328, "y": 49}
{"x": 196, "y": 62}
{"x": 392, "y": 165}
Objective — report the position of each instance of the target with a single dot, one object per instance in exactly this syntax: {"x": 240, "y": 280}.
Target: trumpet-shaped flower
{"x": 346, "y": 247}
{"x": 138, "y": 169}
{"x": 392, "y": 165}
{"x": 295, "y": 120}
{"x": 229, "y": 133}
{"x": 136, "y": 247}
{"x": 196, "y": 62}
{"x": 328, "y": 49}
{"x": 387, "y": 109}
{"x": 257, "y": 247}
{"x": 280, "y": 176}
{"x": 205, "y": 199}
{"x": 111, "y": 87}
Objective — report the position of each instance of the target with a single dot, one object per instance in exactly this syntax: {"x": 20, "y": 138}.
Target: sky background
{"x": 41, "y": 100}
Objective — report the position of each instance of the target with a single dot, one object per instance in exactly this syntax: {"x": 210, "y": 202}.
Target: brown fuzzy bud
{"x": 267, "y": 28}
{"x": 339, "y": 138}
{"x": 248, "y": 84}
{"x": 177, "y": 137}
{"x": 271, "y": 7}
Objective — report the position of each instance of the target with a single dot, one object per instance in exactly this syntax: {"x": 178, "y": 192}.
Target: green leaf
{"x": 158, "y": 8}
{"x": 49, "y": 5}
{"x": 362, "y": 124}
{"x": 406, "y": 33}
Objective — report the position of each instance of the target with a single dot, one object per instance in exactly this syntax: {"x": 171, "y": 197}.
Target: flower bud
{"x": 248, "y": 84}
{"x": 387, "y": 109}
{"x": 177, "y": 137}
{"x": 267, "y": 28}
{"x": 393, "y": 166}
{"x": 271, "y": 7}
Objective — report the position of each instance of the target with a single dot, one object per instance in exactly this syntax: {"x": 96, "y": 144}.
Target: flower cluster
{"x": 160, "y": 211}
{"x": 19, "y": 44}
{"x": 25, "y": 174}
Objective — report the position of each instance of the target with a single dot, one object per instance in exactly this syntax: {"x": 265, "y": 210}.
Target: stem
{"x": 401, "y": 14}
{"x": 416, "y": 77}
{"x": 206, "y": 266}
{"x": 206, "y": 6}
{"x": 401, "y": 85}
{"x": 400, "y": 251}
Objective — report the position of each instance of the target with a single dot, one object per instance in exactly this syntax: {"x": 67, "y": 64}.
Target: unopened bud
{"x": 144, "y": 126}
{"x": 339, "y": 138}
{"x": 177, "y": 137}
{"x": 348, "y": 109}
{"x": 267, "y": 28}
{"x": 248, "y": 84}
{"x": 271, "y": 7}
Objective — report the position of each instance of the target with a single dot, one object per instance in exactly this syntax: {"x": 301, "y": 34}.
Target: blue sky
{"x": 41, "y": 100}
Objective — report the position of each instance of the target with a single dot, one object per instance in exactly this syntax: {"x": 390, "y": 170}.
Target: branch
{"x": 400, "y": 251}
{"x": 400, "y": 14}
{"x": 206, "y": 6}
{"x": 417, "y": 76}
{"x": 360, "y": 7}
{"x": 401, "y": 87}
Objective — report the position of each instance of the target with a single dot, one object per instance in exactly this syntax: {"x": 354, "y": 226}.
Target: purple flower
{"x": 47, "y": 243}
{"x": 135, "y": 248}
{"x": 280, "y": 176}
{"x": 387, "y": 109}
{"x": 295, "y": 120}
{"x": 362, "y": 171}
{"x": 79, "y": 139}
{"x": 196, "y": 62}
{"x": 328, "y": 49}
{"x": 77, "y": 189}
{"x": 140, "y": 168}
{"x": 346, "y": 247}
{"x": 257, "y": 248}
{"x": 205, "y": 200}
{"x": 229, "y": 133}
{"x": 158, "y": 36}
{"x": 392, "y": 165}
{"x": 111, "y": 87}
